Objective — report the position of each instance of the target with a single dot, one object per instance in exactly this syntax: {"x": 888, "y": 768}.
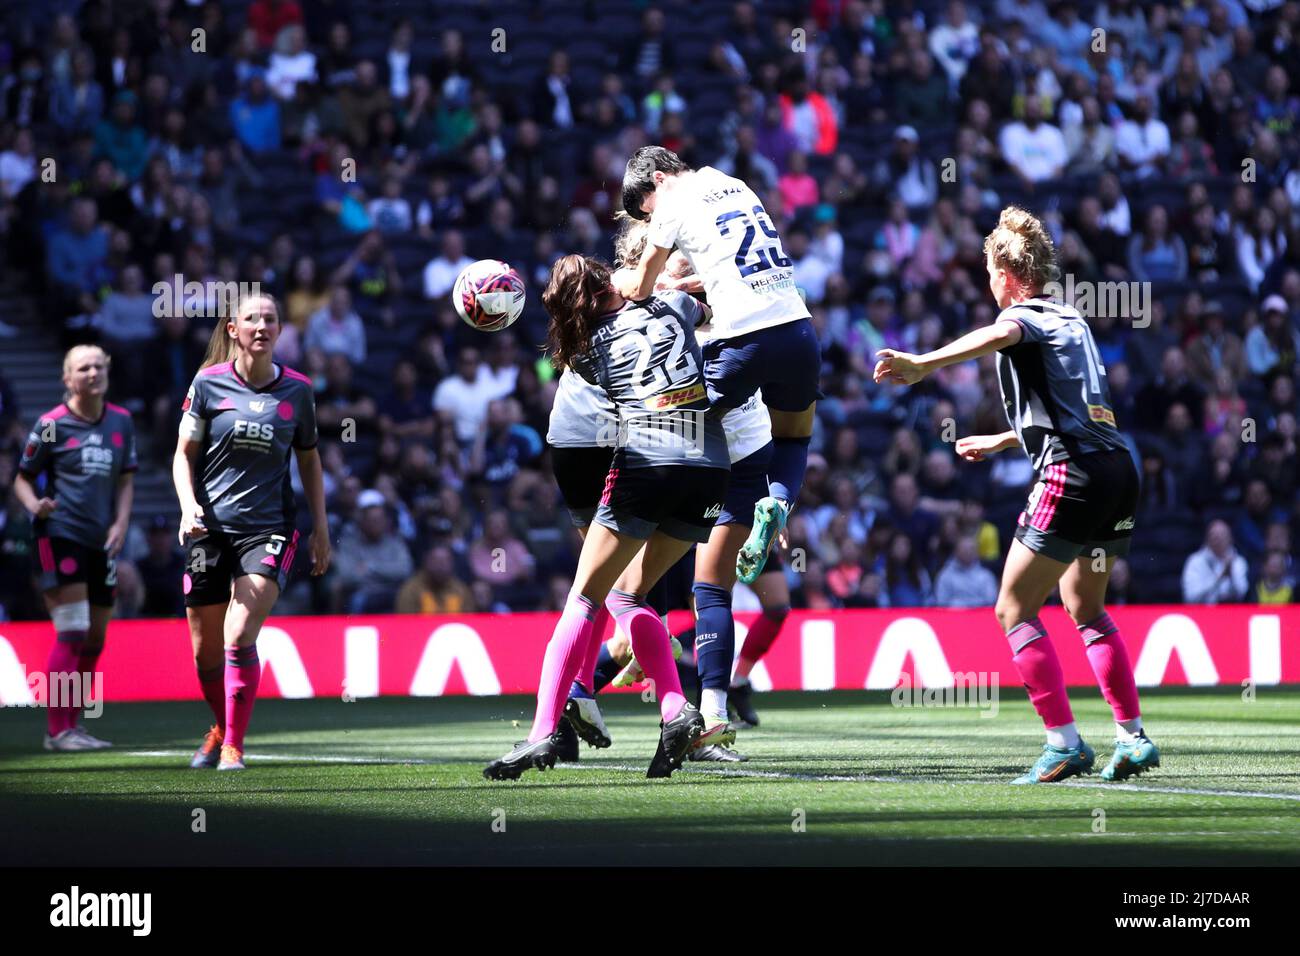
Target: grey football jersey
{"x": 1054, "y": 385}
{"x": 247, "y": 433}
{"x": 83, "y": 462}
{"x": 581, "y": 414}
{"x": 646, "y": 359}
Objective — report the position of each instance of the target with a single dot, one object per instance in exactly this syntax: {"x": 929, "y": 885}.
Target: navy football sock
{"x": 785, "y": 473}
{"x": 715, "y": 636}
{"x": 606, "y": 668}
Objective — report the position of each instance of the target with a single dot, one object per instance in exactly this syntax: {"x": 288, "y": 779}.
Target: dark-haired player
{"x": 663, "y": 490}
{"x": 243, "y": 416}
{"x": 85, "y": 450}
{"x": 1079, "y": 517}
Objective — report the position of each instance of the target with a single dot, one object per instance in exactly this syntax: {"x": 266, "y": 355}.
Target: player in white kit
{"x": 763, "y": 336}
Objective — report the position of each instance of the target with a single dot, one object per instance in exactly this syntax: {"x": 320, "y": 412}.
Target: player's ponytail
{"x": 1021, "y": 246}
{"x": 221, "y": 347}
{"x": 572, "y": 299}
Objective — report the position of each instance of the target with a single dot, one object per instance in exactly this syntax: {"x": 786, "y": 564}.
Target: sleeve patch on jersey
{"x": 1100, "y": 413}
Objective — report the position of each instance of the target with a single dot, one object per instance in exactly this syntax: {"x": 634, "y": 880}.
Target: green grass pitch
{"x": 835, "y": 778}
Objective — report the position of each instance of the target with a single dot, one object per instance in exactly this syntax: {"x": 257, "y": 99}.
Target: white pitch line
{"x": 867, "y": 778}
{"x": 762, "y": 775}
{"x": 313, "y": 758}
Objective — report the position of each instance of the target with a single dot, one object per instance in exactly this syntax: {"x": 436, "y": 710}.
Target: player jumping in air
{"x": 243, "y": 416}
{"x": 664, "y": 489}
{"x": 85, "y": 448}
{"x": 1079, "y": 517}
{"x": 750, "y": 449}
{"x": 763, "y": 337}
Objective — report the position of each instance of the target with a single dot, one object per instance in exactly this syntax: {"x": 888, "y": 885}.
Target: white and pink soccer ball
{"x": 489, "y": 295}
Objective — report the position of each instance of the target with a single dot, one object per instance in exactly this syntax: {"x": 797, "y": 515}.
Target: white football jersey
{"x": 720, "y": 224}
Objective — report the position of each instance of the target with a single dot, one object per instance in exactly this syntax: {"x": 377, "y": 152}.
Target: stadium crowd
{"x": 353, "y": 156}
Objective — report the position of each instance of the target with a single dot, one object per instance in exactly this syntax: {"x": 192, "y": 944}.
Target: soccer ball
{"x": 489, "y": 295}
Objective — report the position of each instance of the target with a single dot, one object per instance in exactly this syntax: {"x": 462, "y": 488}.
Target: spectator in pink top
{"x": 796, "y": 185}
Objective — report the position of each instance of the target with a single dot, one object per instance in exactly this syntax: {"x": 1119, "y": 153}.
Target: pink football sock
{"x": 243, "y": 674}
{"x": 653, "y": 652}
{"x": 566, "y": 653}
{"x": 1109, "y": 659}
{"x": 762, "y": 634}
{"x": 587, "y": 676}
{"x": 62, "y": 663}
{"x": 87, "y": 661}
{"x": 213, "y": 684}
{"x": 1040, "y": 670}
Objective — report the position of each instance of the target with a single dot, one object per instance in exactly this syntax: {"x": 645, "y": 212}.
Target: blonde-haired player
{"x": 85, "y": 450}
{"x": 243, "y": 417}
{"x": 1079, "y": 516}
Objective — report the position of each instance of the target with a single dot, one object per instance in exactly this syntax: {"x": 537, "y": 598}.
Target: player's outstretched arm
{"x": 904, "y": 368}
{"x": 977, "y": 447}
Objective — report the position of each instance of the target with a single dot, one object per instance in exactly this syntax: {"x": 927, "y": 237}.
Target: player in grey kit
{"x": 243, "y": 416}
{"x": 1079, "y": 516}
{"x": 85, "y": 450}
{"x": 663, "y": 491}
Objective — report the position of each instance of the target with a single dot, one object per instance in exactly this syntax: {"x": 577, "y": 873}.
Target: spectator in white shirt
{"x": 1034, "y": 150}
{"x": 399, "y": 61}
{"x": 337, "y": 330}
{"x": 462, "y": 399}
{"x": 440, "y": 274}
{"x": 1216, "y": 573}
{"x": 1115, "y": 213}
{"x": 963, "y": 581}
{"x": 502, "y": 366}
{"x": 17, "y": 165}
{"x": 1258, "y": 245}
{"x": 1143, "y": 141}
{"x": 955, "y": 42}
{"x": 291, "y": 63}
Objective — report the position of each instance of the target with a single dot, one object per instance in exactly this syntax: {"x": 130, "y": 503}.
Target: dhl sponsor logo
{"x": 681, "y": 396}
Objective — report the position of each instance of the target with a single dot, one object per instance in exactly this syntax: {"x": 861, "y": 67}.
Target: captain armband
{"x": 193, "y": 428}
